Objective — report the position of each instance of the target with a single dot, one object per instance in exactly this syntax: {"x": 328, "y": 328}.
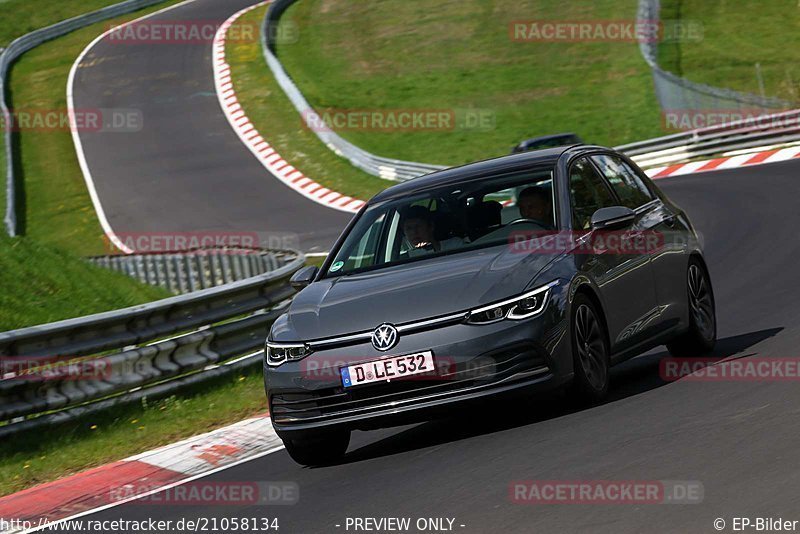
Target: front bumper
{"x": 473, "y": 362}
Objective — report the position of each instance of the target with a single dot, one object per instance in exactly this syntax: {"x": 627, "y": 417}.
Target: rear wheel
{"x": 701, "y": 336}
{"x": 589, "y": 351}
{"x": 318, "y": 450}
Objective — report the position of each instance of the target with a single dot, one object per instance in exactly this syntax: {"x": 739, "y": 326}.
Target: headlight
{"x": 279, "y": 353}
{"x": 521, "y": 307}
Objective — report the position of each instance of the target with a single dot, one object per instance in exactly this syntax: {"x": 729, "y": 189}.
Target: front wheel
{"x": 701, "y": 336}
{"x": 590, "y": 355}
{"x": 318, "y": 450}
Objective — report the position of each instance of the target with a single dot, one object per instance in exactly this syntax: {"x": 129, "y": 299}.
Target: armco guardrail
{"x": 57, "y": 371}
{"x": 191, "y": 270}
{"x": 677, "y": 93}
{"x": 767, "y": 130}
{"x": 672, "y": 91}
{"x": 387, "y": 168}
{"x": 19, "y": 47}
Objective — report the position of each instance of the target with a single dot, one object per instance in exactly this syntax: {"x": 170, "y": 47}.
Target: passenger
{"x": 535, "y": 203}
{"x": 419, "y": 229}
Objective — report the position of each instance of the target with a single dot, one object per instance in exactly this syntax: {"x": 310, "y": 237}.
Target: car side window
{"x": 588, "y": 193}
{"x": 629, "y": 187}
{"x": 364, "y": 253}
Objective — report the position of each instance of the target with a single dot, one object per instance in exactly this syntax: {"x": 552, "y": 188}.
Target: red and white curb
{"x": 729, "y": 162}
{"x": 250, "y": 136}
{"x": 141, "y": 475}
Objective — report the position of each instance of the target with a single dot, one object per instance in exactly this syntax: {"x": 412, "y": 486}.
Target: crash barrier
{"x": 771, "y": 130}
{"x": 17, "y": 48}
{"x": 762, "y": 124}
{"x": 59, "y": 371}
{"x": 387, "y": 168}
{"x": 184, "y": 272}
{"x": 675, "y": 92}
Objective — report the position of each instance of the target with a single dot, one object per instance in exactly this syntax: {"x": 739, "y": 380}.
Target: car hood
{"x": 415, "y": 291}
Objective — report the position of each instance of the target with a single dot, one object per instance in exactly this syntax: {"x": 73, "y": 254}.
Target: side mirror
{"x": 303, "y": 277}
{"x": 613, "y": 217}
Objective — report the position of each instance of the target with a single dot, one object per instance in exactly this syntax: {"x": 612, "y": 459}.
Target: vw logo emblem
{"x": 384, "y": 337}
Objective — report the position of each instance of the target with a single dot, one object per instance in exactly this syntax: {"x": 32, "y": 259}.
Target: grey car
{"x": 524, "y": 273}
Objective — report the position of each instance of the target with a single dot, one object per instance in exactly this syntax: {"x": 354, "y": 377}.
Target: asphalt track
{"x": 185, "y": 170}
{"x": 739, "y": 439}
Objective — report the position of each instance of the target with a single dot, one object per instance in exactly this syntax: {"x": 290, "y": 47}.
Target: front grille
{"x": 288, "y": 408}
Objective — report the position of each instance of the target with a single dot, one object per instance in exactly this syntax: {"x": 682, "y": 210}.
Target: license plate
{"x": 387, "y": 369}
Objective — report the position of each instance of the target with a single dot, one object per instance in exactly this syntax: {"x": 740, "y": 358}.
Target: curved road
{"x": 185, "y": 170}
{"x": 740, "y": 440}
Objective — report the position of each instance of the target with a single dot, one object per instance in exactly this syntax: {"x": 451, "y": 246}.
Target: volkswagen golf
{"x": 524, "y": 273}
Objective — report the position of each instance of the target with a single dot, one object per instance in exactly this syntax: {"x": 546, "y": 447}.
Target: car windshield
{"x": 448, "y": 220}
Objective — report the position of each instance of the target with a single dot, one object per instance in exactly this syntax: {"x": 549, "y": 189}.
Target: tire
{"x": 325, "y": 449}
{"x": 701, "y": 335}
{"x": 590, "y": 353}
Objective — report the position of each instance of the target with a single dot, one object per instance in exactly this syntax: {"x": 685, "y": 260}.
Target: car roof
{"x": 474, "y": 171}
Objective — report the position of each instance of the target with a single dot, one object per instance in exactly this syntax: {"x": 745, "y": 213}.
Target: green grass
{"x": 393, "y": 54}
{"x": 27, "y": 459}
{"x": 42, "y": 284}
{"x": 279, "y": 123}
{"x": 18, "y": 17}
{"x": 736, "y": 36}
{"x": 56, "y": 204}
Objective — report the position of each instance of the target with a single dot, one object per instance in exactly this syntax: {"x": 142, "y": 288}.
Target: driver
{"x": 419, "y": 230}
{"x": 534, "y": 203}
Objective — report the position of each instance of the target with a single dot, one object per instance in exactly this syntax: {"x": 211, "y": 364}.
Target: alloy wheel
{"x": 700, "y": 302}
{"x": 590, "y": 346}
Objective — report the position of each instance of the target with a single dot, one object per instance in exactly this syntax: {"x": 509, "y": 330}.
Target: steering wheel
{"x": 523, "y": 220}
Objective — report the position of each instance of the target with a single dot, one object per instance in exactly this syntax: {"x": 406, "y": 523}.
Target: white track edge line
{"x": 76, "y": 138}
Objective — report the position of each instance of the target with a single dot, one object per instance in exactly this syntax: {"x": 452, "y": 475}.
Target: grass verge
{"x": 18, "y": 17}
{"x": 730, "y": 38}
{"x": 279, "y": 123}
{"x": 27, "y": 460}
{"x": 42, "y": 284}
{"x": 32, "y": 89}
{"x": 458, "y": 55}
